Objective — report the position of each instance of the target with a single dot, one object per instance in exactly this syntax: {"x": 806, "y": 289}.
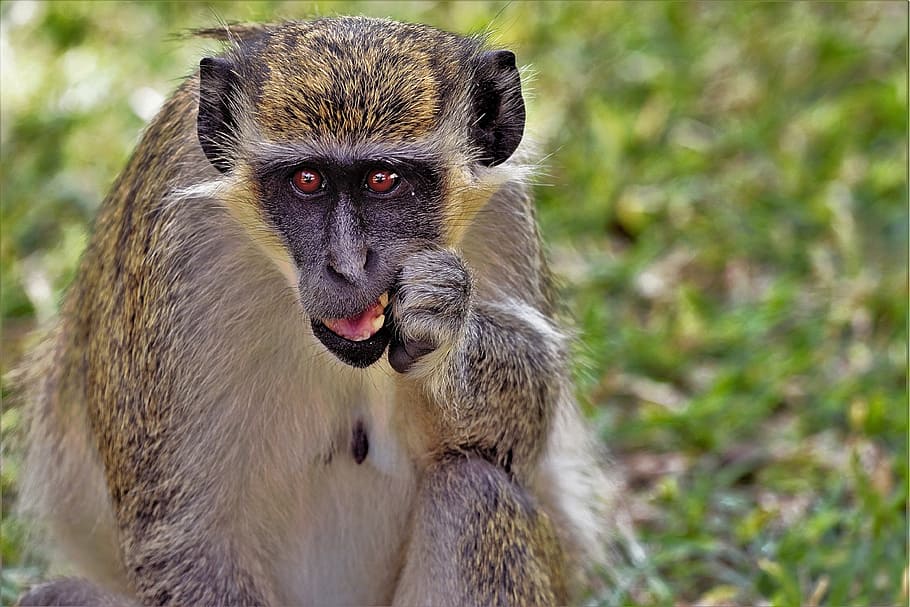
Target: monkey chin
{"x": 358, "y": 354}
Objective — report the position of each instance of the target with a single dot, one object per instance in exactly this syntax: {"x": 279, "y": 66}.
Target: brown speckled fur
{"x": 366, "y": 79}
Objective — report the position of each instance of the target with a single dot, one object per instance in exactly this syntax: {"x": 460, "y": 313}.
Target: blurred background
{"x": 725, "y": 202}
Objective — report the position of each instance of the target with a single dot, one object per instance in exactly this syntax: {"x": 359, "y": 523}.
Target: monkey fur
{"x": 199, "y": 435}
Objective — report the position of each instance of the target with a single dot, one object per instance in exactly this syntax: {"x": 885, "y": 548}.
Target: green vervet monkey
{"x": 309, "y": 357}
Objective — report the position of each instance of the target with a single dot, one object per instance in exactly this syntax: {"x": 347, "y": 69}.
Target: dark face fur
{"x": 347, "y": 240}
{"x": 315, "y": 112}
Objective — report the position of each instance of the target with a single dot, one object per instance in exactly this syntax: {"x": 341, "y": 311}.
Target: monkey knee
{"x": 503, "y": 544}
{"x": 477, "y": 484}
{"x": 480, "y": 495}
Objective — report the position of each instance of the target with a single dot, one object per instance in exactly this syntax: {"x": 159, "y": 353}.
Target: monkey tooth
{"x": 361, "y": 326}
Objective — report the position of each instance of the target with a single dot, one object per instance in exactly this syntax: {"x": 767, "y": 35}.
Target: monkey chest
{"x": 345, "y": 530}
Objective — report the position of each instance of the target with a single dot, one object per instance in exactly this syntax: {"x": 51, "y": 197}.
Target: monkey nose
{"x": 349, "y": 265}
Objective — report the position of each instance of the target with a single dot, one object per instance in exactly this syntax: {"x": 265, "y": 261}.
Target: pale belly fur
{"x": 351, "y": 525}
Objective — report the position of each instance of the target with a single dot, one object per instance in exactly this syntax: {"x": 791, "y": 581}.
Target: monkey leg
{"x": 479, "y": 539}
{"x": 72, "y": 591}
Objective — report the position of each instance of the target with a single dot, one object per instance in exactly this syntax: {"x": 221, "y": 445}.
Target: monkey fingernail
{"x": 402, "y": 355}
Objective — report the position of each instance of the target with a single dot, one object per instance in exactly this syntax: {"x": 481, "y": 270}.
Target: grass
{"x": 725, "y": 200}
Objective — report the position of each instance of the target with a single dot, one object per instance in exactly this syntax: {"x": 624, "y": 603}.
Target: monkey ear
{"x": 499, "y": 110}
{"x": 215, "y": 124}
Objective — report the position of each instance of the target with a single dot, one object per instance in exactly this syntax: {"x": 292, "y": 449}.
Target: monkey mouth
{"x": 363, "y": 326}
{"x": 357, "y": 340}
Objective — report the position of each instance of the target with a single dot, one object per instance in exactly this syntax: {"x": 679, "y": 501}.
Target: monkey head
{"x": 344, "y": 145}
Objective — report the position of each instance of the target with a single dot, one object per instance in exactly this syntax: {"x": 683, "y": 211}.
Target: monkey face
{"x": 365, "y": 141}
{"x": 348, "y": 224}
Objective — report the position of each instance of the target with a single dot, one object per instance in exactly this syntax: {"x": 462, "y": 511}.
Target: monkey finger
{"x": 403, "y": 354}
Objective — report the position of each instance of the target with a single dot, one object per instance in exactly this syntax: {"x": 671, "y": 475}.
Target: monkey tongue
{"x": 360, "y": 327}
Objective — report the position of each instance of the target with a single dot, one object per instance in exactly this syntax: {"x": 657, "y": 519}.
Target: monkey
{"x": 311, "y": 354}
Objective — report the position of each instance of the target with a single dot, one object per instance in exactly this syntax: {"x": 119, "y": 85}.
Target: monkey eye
{"x": 307, "y": 180}
{"x": 382, "y": 181}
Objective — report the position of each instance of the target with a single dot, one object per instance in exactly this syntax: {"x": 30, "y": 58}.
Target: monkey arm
{"x": 493, "y": 369}
{"x": 504, "y": 373}
{"x": 146, "y": 370}
{"x": 479, "y": 539}
{"x": 175, "y": 545}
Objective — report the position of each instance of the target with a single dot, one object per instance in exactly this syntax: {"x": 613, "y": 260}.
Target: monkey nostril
{"x": 334, "y": 274}
{"x": 351, "y": 266}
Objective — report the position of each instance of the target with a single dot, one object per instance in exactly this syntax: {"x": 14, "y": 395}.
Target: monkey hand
{"x": 430, "y": 307}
